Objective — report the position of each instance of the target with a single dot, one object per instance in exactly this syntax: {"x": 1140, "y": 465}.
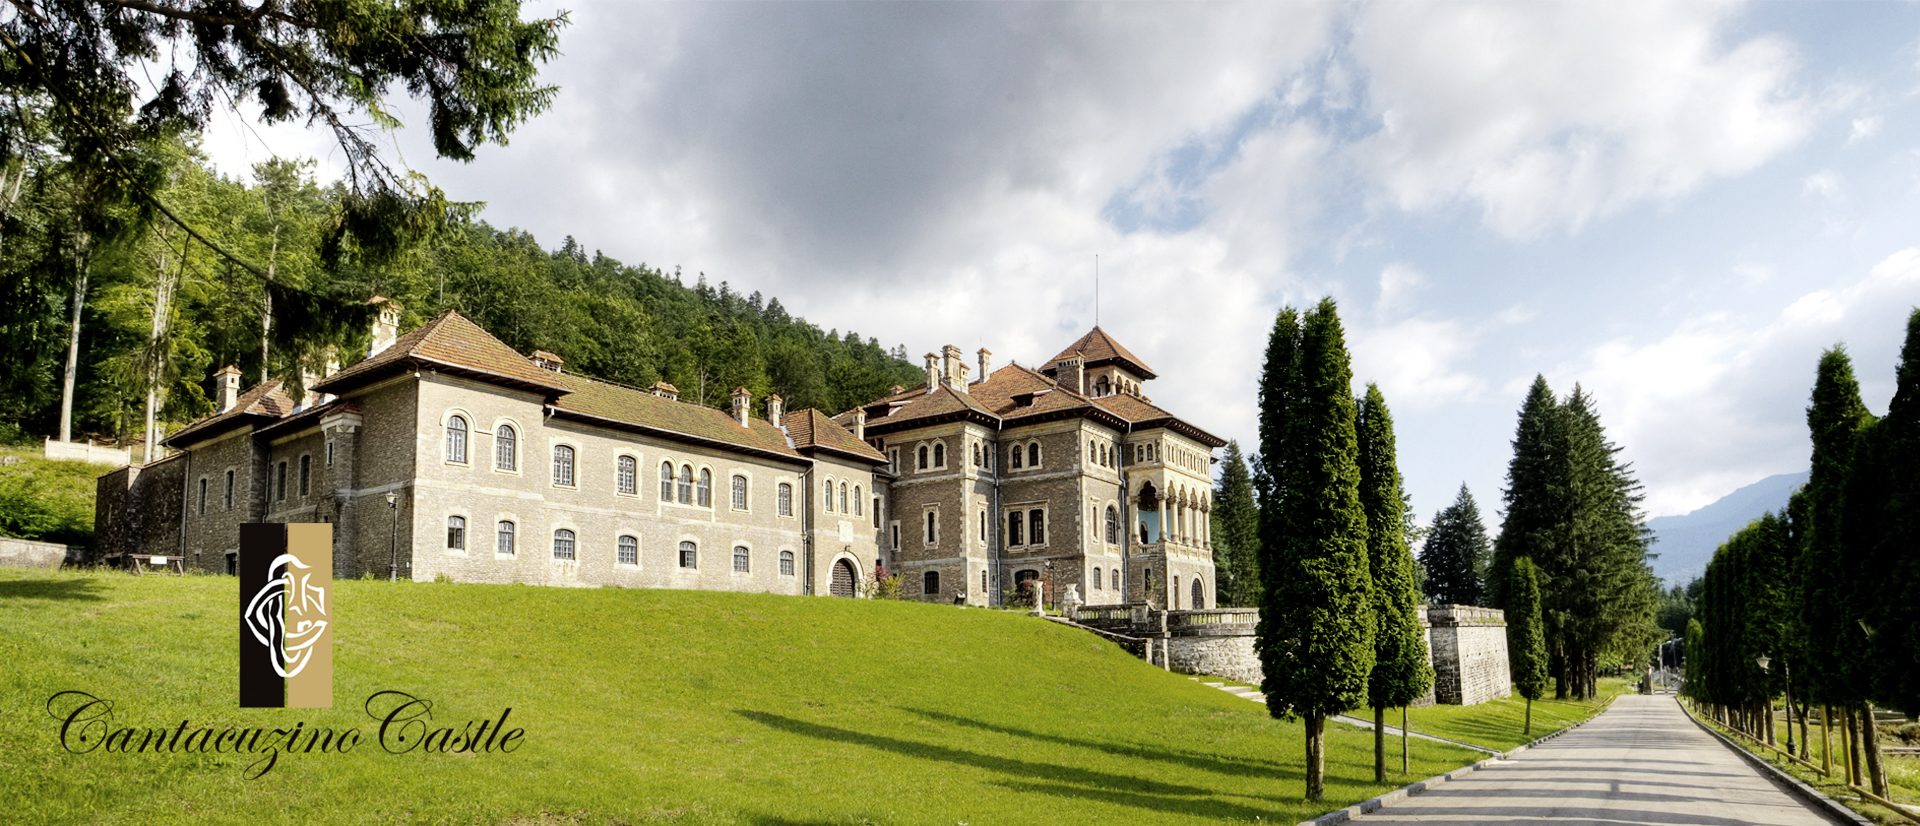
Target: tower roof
{"x": 1097, "y": 349}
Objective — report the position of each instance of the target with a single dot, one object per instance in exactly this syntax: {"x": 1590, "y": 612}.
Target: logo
{"x": 286, "y": 640}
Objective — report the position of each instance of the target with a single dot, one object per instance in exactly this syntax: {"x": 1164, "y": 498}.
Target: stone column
{"x": 342, "y": 430}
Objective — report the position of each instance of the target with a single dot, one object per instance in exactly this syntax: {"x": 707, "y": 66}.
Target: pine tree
{"x": 1236, "y": 533}
{"x": 1526, "y": 634}
{"x": 1535, "y": 494}
{"x": 1316, "y": 625}
{"x": 1400, "y": 671}
{"x": 1456, "y": 554}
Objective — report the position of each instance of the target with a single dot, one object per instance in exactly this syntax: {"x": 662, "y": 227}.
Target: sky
{"x": 1675, "y": 206}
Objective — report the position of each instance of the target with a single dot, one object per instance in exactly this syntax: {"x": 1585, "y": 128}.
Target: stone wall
{"x": 1232, "y": 658}
{"x": 1469, "y": 649}
{"x": 25, "y": 553}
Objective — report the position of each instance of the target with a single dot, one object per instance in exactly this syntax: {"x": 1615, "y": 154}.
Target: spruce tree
{"x": 1456, "y": 554}
{"x": 1535, "y": 491}
{"x": 1316, "y": 624}
{"x": 1400, "y": 671}
{"x": 1236, "y": 533}
{"x": 1526, "y": 634}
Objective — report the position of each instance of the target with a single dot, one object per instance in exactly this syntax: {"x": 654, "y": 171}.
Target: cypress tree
{"x": 1236, "y": 533}
{"x": 1526, "y": 634}
{"x": 1828, "y": 622}
{"x": 1894, "y": 566}
{"x": 1535, "y": 492}
{"x": 1400, "y": 671}
{"x": 1456, "y": 554}
{"x": 1316, "y": 624}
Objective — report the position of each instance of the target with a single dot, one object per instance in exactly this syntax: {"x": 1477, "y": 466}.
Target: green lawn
{"x": 645, "y": 706}
{"x": 1497, "y": 724}
{"x": 1903, "y": 773}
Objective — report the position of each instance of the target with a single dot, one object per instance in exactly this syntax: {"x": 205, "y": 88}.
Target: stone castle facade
{"x": 445, "y": 454}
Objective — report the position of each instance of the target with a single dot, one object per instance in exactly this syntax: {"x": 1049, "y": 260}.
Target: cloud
{"x": 1549, "y": 115}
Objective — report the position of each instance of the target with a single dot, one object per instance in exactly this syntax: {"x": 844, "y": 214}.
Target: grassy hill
{"x": 647, "y": 706}
{"x": 44, "y": 499}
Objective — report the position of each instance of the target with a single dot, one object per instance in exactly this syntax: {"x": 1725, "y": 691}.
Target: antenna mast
{"x": 1096, "y": 289}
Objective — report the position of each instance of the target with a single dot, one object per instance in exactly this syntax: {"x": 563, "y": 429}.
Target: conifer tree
{"x": 1894, "y": 566}
{"x": 1456, "y": 554}
{"x": 1534, "y": 493}
{"x": 1828, "y": 622}
{"x": 1236, "y": 533}
{"x": 1526, "y": 634}
{"x": 1316, "y": 626}
{"x": 1400, "y": 671}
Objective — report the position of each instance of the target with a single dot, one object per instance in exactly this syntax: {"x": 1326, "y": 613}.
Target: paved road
{"x": 1643, "y": 763}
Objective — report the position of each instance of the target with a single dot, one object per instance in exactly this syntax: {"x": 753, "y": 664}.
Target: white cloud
{"x": 1548, "y": 115}
{"x": 1864, "y": 128}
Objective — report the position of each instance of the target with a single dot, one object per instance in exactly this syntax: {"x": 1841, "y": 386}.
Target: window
{"x": 893, "y": 531}
{"x": 229, "y": 496}
{"x": 923, "y": 457}
{"x": 1116, "y": 579}
{"x": 563, "y": 466}
{"x": 857, "y": 503}
{"x": 1093, "y": 453}
{"x": 739, "y": 493}
{"x": 1036, "y": 527}
{"x": 666, "y": 481}
{"x": 1139, "y": 454}
{"x": 563, "y": 544}
{"x": 1113, "y": 525}
{"x": 626, "y": 474}
{"x": 893, "y": 459}
{"x": 503, "y": 538}
{"x": 939, "y": 454}
{"x": 983, "y": 526}
{"x": 742, "y": 561}
{"x": 457, "y": 440}
{"x": 1097, "y": 581}
{"x": 930, "y": 583}
{"x": 329, "y": 454}
{"x": 280, "y": 481}
{"x": 689, "y": 555}
{"x": 843, "y": 497}
{"x": 1033, "y": 455}
{"x": 456, "y": 533}
{"x": 1015, "y": 454}
{"x": 1103, "y": 456}
{"x": 976, "y": 454}
{"x": 203, "y": 494}
{"x": 829, "y": 506}
{"x": 706, "y": 488}
{"x": 933, "y": 526}
{"x": 876, "y": 511}
{"x": 686, "y": 484}
{"x": 629, "y": 550}
{"x": 786, "y": 563}
{"x": 983, "y": 580}
{"x": 785, "y": 499}
{"x": 1016, "y": 533}
{"x": 506, "y": 450}
{"x": 306, "y": 474}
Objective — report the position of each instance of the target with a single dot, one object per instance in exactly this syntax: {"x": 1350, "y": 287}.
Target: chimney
{"x": 308, "y": 378}
{"x": 386, "y": 324}
{"x": 773, "y": 409}
{"x": 547, "y": 361}
{"x": 1071, "y": 373}
{"x": 954, "y": 368}
{"x": 665, "y": 391}
{"x": 742, "y": 399}
{"x": 860, "y": 423}
{"x": 227, "y": 382}
{"x": 933, "y": 372}
{"x": 333, "y": 363}
{"x": 986, "y": 363}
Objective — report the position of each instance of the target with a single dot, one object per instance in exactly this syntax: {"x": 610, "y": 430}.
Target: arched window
{"x": 785, "y": 499}
{"x": 1015, "y": 454}
{"x": 689, "y": 555}
{"x": 786, "y": 563}
{"x": 563, "y": 544}
{"x": 1093, "y": 453}
{"x": 1033, "y": 455}
{"x": 1036, "y": 527}
{"x": 686, "y": 484}
{"x": 930, "y": 583}
{"x": 629, "y": 550}
{"x": 1097, "y": 581}
{"x": 706, "y": 488}
{"x": 456, "y": 533}
{"x": 923, "y": 458}
{"x": 627, "y": 475}
{"x": 1116, "y": 579}
{"x": 739, "y": 493}
{"x": 829, "y": 487}
{"x": 1113, "y": 525}
{"x": 939, "y": 454}
{"x": 457, "y": 439}
{"x": 976, "y": 454}
{"x": 1199, "y": 595}
{"x": 742, "y": 561}
{"x": 843, "y": 498}
{"x": 858, "y": 508}
{"x": 506, "y": 449}
{"x": 503, "y": 538}
{"x": 1103, "y": 456}
{"x": 666, "y": 481}
{"x": 1016, "y": 532}
{"x": 563, "y": 466}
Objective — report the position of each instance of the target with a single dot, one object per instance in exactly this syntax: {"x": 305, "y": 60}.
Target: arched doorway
{"x": 1199, "y": 595}
{"x": 843, "y": 579}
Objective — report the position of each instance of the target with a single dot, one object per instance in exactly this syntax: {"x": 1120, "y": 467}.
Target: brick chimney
{"x": 227, "y": 383}
{"x": 1071, "y": 373}
{"x": 954, "y": 368}
{"x": 986, "y": 363}
{"x": 742, "y": 399}
{"x": 933, "y": 372}
{"x": 386, "y": 324}
{"x": 774, "y": 404}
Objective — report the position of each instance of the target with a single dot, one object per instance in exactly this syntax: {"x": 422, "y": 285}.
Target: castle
{"x": 446, "y": 454}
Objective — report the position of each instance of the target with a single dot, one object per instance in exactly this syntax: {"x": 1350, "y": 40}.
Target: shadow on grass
{"x": 1183, "y": 806}
{"x": 1248, "y": 768}
{"x": 81, "y": 589}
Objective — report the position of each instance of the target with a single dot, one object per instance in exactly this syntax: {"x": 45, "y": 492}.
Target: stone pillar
{"x": 342, "y": 429}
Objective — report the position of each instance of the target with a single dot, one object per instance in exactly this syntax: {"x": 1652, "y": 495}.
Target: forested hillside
{"x": 161, "y": 310}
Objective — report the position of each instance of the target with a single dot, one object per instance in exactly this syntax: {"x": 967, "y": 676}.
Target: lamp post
{"x": 393, "y": 539}
{"x": 1049, "y": 585}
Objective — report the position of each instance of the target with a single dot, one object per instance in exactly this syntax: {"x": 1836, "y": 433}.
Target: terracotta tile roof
{"x": 453, "y": 344}
{"x": 1097, "y": 348}
{"x": 1140, "y": 412}
{"x": 918, "y": 404}
{"x": 637, "y": 409}
{"x": 267, "y": 400}
{"x": 810, "y": 429}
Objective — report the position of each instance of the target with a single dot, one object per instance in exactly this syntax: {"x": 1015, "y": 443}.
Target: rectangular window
{"x": 306, "y": 474}
{"x": 893, "y": 535}
{"x": 203, "y": 495}
{"x": 629, "y": 550}
{"x": 876, "y": 511}
{"x": 456, "y": 533}
{"x": 933, "y": 526}
{"x": 983, "y": 524}
{"x": 329, "y": 454}
{"x": 229, "y": 496}
{"x": 280, "y": 481}
{"x": 1016, "y": 529}
{"x": 1036, "y": 527}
